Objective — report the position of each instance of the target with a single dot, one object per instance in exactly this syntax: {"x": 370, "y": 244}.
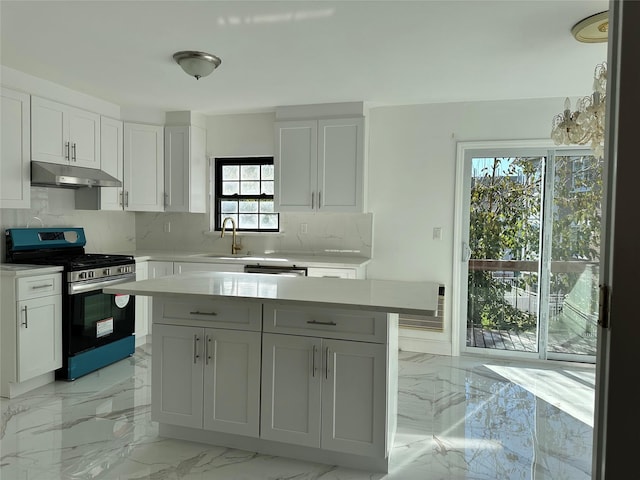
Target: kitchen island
{"x": 299, "y": 367}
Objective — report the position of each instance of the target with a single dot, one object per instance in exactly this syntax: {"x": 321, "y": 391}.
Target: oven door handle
{"x": 84, "y": 287}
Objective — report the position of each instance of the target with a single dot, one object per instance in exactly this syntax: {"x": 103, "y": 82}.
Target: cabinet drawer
{"x": 326, "y": 322}
{"x": 331, "y": 272}
{"x": 38, "y": 286}
{"x": 208, "y": 313}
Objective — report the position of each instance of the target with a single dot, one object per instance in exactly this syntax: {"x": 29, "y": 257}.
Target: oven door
{"x": 96, "y": 318}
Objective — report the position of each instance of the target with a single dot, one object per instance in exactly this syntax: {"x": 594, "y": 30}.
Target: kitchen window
{"x": 244, "y": 191}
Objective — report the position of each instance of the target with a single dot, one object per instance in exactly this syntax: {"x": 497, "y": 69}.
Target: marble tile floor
{"x": 459, "y": 418}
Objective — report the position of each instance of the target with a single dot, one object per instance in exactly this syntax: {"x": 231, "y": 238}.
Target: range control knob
{"x": 106, "y": 272}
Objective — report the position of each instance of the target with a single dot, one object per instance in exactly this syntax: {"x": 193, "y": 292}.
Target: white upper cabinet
{"x": 15, "y": 154}
{"x": 111, "y": 158}
{"x": 319, "y": 165}
{"x": 143, "y": 167}
{"x": 63, "y": 134}
{"x": 341, "y": 165}
{"x": 296, "y": 165}
{"x": 185, "y": 169}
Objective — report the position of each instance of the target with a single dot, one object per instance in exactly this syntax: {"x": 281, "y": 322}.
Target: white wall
{"x": 53, "y": 91}
{"x": 412, "y": 159}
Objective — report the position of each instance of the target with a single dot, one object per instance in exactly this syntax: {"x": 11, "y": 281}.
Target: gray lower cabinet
{"x": 324, "y": 393}
{"x": 284, "y": 379}
{"x": 206, "y": 378}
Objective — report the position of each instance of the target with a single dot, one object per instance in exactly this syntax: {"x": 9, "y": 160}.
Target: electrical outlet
{"x": 437, "y": 233}
{"x": 303, "y": 228}
{"x": 167, "y": 227}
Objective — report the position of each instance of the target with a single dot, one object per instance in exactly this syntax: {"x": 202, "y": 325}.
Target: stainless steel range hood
{"x": 70, "y": 176}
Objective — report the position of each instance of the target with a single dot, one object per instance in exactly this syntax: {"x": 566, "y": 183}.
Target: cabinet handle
{"x": 166, "y": 199}
{"x": 313, "y": 197}
{"x": 126, "y": 198}
{"x": 66, "y": 154}
{"x": 314, "y": 322}
{"x": 319, "y": 200}
{"x": 195, "y": 348}
{"x": 326, "y": 364}
{"x": 313, "y": 361}
{"x": 36, "y": 287}
{"x": 121, "y": 198}
{"x": 26, "y": 318}
{"x": 74, "y": 152}
{"x": 208, "y": 314}
{"x": 207, "y": 356}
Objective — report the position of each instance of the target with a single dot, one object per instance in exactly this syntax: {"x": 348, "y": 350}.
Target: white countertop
{"x": 25, "y": 270}
{"x": 336, "y": 261}
{"x": 417, "y": 298}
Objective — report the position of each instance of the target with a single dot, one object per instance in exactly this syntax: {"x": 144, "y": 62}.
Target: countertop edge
{"x": 368, "y": 295}
{"x": 267, "y": 259}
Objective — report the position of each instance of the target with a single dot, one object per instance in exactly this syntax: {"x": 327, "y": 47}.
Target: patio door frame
{"x": 511, "y": 148}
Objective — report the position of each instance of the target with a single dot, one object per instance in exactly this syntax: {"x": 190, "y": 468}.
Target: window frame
{"x": 219, "y": 197}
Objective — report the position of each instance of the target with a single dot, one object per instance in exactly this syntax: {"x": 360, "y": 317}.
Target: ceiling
{"x": 303, "y": 52}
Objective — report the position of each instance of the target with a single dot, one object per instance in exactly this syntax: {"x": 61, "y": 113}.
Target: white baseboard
{"x": 424, "y": 345}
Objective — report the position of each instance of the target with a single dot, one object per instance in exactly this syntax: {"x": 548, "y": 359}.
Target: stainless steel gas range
{"x": 97, "y": 328}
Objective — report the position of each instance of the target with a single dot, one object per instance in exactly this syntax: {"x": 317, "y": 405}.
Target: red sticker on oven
{"x": 104, "y": 327}
{"x": 121, "y": 300}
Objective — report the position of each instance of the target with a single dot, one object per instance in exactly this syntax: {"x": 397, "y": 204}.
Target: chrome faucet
{"x": 234, "y": 246}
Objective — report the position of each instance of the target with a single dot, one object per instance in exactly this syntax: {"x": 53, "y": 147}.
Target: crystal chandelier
{"x": 586, "y": 123}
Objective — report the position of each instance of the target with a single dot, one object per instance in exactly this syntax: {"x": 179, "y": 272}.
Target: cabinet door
{"x": 143, "y": 304}
{"x": 198, "y": 171}
{"x": 49, "y": 131}
{"x": 156, "y": 269}
{"x": 160, "y": 269}
{"x": 185, "y": 169}
{"x": 143, "y": 167}
{"x": 354, "y": 397}
{"x": 111, "y": 161}
{"x": 39, "y": 336}
{"x": 15, "y": 173}
{"x": 232, "y": 382}
{"x": 331, "y": 272}
{"x": 291, "y": 382}
{"x": 177, "y": 370}
{"x": 176, "y": 169}
{"x": 84, "y": 138}
{"x": 340, "y": 165}
{"x": 296, "y": 166}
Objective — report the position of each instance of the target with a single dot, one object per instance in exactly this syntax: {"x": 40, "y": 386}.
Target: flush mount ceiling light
{"x": 593, "y": 29}
{"x": 197, "y": 64}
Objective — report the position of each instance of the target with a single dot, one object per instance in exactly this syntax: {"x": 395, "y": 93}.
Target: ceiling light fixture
{"x": 586, "y": 123}
{"x": 197, "y": 64}
{"x": 593, "y": 29}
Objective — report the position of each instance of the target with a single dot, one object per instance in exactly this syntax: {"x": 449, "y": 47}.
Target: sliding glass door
{"x": 530, "y": 243}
